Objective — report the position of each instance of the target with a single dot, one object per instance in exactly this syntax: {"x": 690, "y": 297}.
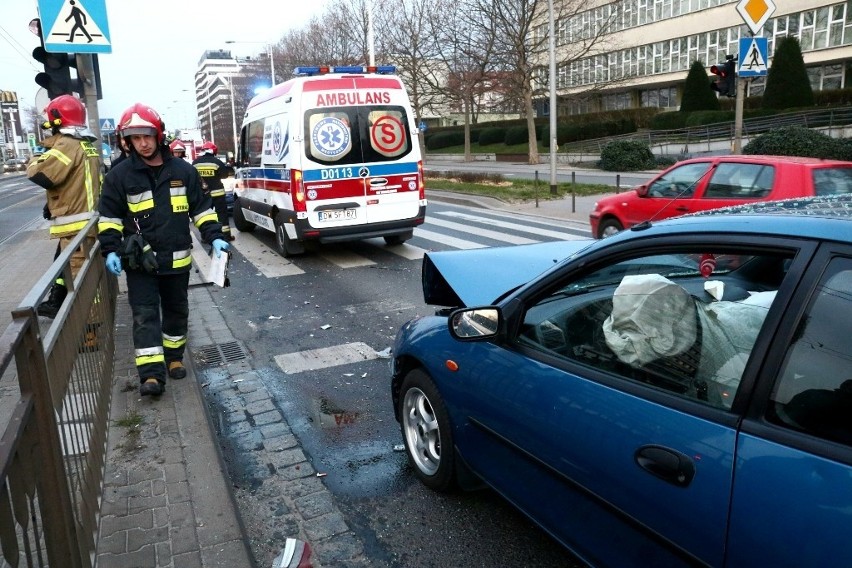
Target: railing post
{"x": 535, "y": 188}
{"x": 54, "y": 497}
{"x": 573, "y": 192}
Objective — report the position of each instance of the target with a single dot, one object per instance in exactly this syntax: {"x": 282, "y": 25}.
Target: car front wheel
{"x": 609, "y": 227}
{"x": 427, "y": 431}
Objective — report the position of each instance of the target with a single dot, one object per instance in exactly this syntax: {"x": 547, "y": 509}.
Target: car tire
{"x": 609, "y": 227}
{"x": 427, "y": 431}
{"x": 286, "y": 247}
{"x": 240, "y": 221}
{"x": 398, "y": 239}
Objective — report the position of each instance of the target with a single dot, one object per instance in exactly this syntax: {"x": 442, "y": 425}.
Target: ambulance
{"x": 331, "y": 155}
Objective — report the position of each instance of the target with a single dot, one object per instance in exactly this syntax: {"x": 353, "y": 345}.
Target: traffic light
{"x": 725, "y": 81}
{"x": 731, "y": 76}
{"x": 56, "y": 78}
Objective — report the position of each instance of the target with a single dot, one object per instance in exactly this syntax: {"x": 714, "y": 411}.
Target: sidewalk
{"x": 167, "y": 497}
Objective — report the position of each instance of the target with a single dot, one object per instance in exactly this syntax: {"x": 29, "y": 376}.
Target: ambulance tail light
{"x": 421, "y": 185}
{"x": 297, "y": 188}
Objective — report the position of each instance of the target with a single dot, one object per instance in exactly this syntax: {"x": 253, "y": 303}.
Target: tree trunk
{"x": 533, "y": 142}
{"x": 467, "y": 156}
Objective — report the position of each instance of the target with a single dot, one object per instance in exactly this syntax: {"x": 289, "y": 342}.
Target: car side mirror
{"x": 642, "y": 190}
{"x": 475, "y": 323}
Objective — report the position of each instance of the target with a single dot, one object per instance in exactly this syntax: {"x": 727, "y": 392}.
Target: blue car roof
{"x": 481, "y": 276}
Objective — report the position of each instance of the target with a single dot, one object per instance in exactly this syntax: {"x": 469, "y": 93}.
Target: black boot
{"x": 50, "y": 307}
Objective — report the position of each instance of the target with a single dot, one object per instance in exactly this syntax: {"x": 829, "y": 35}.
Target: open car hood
{"x": 478, "y": 277}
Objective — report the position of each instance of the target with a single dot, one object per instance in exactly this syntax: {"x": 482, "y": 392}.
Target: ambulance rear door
{"x": 361, "y": 166}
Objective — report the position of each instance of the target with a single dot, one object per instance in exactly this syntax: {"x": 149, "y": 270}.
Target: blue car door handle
{"x": 667, "y": 464}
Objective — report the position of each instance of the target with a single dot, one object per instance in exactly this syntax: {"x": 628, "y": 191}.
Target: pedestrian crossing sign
{"x": 107, "y": 125}
{"x": 753, "y": 57}
{"x": 75, "y": 26}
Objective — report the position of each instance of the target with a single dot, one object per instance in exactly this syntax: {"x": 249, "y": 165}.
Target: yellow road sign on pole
{"x": 755, "y": 13}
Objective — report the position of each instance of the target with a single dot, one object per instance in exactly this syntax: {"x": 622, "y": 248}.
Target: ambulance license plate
{"x": 337, "y": 215}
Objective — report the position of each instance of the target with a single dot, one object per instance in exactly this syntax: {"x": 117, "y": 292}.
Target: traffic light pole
{"x": 86, "y": 74}
{"x": 738, "y": 116}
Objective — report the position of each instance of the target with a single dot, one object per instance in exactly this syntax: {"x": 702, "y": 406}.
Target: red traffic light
{"x": 716, "y": 70}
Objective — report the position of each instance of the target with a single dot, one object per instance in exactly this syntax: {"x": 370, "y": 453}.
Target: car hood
{"x": 478, "y": 277}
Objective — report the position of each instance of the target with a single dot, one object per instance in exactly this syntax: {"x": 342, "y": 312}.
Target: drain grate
{"x": 220, "y": 353}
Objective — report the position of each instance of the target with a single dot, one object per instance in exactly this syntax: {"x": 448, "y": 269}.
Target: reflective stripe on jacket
{"x": 212, "y": 171}
{"x": 70, "y": 171}
{"x": 162, "y": 202}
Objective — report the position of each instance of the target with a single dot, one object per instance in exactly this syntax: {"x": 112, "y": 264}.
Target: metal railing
{"x": 833, "y": 122}
{"x": 53, "y": 446}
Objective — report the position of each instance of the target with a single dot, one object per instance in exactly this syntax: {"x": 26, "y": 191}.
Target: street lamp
{"x": 271, "y": 62}
{"x": 233, "y": 112}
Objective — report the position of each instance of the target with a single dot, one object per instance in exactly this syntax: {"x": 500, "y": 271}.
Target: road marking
{"x": 267, "y": 261}
{"x": 514, "y": 226}
{"x": 313, "y": 359}
{"x": 379, "y": 307}
{"x": 488, "y": 234}
{"x": 345, "y": 259}
{"x": 446, "y": 240}
{"x": 404, "y": 250}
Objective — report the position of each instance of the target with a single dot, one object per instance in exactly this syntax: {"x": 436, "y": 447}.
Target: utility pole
{"x": 738, "y": 116}
{"x": 86, "y": 74}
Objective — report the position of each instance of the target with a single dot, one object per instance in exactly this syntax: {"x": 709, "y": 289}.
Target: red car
{"x": 718, "y": 181}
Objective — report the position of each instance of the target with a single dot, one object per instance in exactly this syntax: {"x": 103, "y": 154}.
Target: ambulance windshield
{"x": 349, "y": 135}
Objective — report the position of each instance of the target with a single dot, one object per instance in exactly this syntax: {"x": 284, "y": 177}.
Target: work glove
{"x": 219, "y": 245}
{"x": 149, "y": 259}
{"x": 113, "y": 263}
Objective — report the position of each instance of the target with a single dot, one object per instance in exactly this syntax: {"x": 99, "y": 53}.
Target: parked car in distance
{"x": 15, "y": 164}
{"x": 673, "y": 396}
{"x": 706, "y": 183}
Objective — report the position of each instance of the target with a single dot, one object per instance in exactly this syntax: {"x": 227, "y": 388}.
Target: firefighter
{"x": 148, "y": 200}
{"x": 213, "y": 171}
{"x": 70, "y": 171}
{"x": 178, "y": 149}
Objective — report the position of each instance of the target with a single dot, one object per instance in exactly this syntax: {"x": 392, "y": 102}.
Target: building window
{"x": 664, "y": 97}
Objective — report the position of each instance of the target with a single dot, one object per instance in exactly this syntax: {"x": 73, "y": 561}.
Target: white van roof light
{"x": 351, "y": 69}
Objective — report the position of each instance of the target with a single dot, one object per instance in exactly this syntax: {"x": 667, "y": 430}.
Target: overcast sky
{"x": 156, "y": 46}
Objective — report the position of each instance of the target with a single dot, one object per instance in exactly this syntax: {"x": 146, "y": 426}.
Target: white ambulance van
{"x": 328, "y": 156}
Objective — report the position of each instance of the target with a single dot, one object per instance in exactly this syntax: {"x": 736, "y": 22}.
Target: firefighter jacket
{"x": 213, "y": 171}
{"x": 159, "y": 203}
{"x": 70, "y": 171}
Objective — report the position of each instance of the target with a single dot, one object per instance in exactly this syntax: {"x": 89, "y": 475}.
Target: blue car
{"x": 678, "y": 394}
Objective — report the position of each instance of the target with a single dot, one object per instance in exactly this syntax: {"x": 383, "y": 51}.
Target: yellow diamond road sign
{"x": 755, "y": 13}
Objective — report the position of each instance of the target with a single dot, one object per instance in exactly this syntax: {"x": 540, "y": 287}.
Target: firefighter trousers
{"x": 160, "y": 306}
{"x": 220, "y": 204}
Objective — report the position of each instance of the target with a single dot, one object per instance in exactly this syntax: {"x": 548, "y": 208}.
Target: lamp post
{"x": 271, "y": 61}
{"x": 233, "y": 111}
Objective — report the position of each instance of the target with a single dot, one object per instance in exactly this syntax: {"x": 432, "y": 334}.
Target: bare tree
{"x": 466, "y": 36}
{"x": 521, "y": 39}
{"x": 413, "y": 48}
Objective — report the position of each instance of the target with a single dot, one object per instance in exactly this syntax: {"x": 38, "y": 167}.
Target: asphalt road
{"x": 301, "y": 327}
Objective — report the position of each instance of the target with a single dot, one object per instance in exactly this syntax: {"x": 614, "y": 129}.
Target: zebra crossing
{"x": 444, "y": 229}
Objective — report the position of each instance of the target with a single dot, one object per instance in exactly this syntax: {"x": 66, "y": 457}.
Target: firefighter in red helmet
{"x": 147, "y": 203}
{"x": 70, "y": 171}
{"x": 213, "y": 171}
